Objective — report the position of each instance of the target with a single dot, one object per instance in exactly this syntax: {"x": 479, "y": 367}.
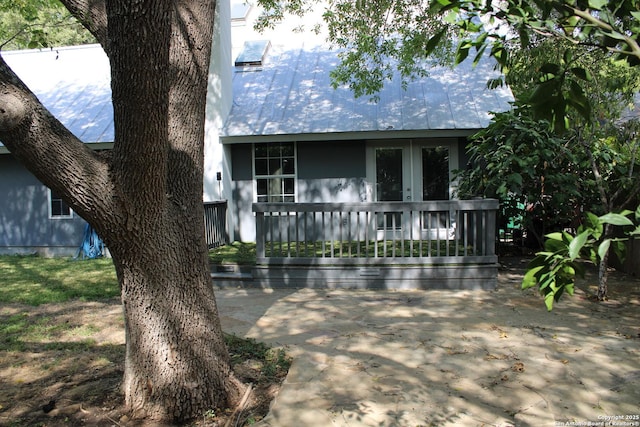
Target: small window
{"x": 58, "y": 208}
{"x": 275, "y": 172}
{"x": 239, "y": 12}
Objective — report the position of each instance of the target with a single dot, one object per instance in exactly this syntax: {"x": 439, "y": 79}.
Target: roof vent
{"x": 253, "y": 53}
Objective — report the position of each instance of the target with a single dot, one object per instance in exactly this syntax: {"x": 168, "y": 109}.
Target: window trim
{"x": 53, "y": 199}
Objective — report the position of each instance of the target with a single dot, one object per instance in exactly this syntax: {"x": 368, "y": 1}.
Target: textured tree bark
{"x": 144, "y": 197}
{"x": 176, "y": 364}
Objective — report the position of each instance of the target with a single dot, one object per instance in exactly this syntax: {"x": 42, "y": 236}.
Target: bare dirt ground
{"x": 76, "y": 360}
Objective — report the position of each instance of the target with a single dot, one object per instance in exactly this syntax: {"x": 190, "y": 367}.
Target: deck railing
{"x": 434, "y": 232}
{"x": 215, "y": 223}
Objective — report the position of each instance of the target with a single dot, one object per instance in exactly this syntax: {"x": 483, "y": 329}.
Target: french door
{"x": 392, "y": 182}
{"x": 409, "y": 172}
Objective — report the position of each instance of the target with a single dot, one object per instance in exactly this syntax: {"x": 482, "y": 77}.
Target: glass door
{"x": 389, "y": 176}
{"x": 392, "y": 184}
{"x": 435, "y": 173}
{"x": 435, "y": 182}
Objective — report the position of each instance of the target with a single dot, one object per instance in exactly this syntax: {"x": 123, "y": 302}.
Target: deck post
{"x": 490, "y": 233}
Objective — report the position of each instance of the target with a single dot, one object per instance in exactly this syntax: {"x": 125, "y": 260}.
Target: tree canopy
{"x": 39, "y": 23}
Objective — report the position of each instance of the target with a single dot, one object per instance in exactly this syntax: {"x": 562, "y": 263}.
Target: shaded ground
{"x": 413, "y": 358}
{"x": 68, "y": 370}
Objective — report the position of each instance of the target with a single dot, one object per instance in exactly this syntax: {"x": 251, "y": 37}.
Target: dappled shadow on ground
{"x": 384, "y": 358}
{"x": 61, "y": 364}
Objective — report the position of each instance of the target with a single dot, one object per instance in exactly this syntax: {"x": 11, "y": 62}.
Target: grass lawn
{"x": 235, "y": 253}
{"x": 34, "y": 280}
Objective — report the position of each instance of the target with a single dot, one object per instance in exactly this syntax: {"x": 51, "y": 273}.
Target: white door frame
{"x": 411, "y": 165}
{"x": 408, "y": 191}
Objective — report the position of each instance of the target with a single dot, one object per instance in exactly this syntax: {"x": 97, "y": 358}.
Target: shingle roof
{"x": 73, "y": 83}
{"x": 292, "y": 94}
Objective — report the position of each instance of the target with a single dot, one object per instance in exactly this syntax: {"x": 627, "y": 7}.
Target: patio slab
{"x": 445, "y": 357}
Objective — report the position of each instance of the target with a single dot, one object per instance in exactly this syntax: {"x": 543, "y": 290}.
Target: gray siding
{"x": 331, "y": 171}
{"x": 25, "y": 226}
{"x": 339, "y": 159}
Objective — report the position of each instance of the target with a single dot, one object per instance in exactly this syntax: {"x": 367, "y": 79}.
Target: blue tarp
{"x": 92, "y": 245}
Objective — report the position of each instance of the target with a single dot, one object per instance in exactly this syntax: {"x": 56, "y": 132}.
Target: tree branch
{"x": 633, "y": 44}
{"x": 51, "y": 152}
{"x": 92, "y": 14}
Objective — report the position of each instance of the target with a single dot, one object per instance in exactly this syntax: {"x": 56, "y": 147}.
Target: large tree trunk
{"x": 176, "y": 363}
{"x": 145, "y": 197}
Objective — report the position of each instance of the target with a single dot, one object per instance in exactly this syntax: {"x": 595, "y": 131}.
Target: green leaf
{"x": 615, "y": 219}
{"x": 550, "y": 68}
{"x": 461, "y": 54}
{"x": 434, "y": 41}
{"x": 577, "y": 244}
{"x": 516, "y": 178}
{"x": 581, "y": 73}
{"x": 548, "y": 301}
{"x": 597, "y": 4}
{"x": 579, "y": 100}
{"x": 530, "y": 278}
{"x": 554, "y": 236}
{"x": 451, "y": 17}
{"x": 569, "y": 287}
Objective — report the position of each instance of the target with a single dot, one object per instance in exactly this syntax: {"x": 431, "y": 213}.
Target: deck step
{"x": 231, "y": 275}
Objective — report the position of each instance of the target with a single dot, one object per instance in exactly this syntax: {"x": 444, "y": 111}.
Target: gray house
{"x": 291, "y": 137}
{"x": 298, "y": 163}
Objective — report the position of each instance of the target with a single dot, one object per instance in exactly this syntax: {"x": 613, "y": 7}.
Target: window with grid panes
{"x": 275, "y": 171}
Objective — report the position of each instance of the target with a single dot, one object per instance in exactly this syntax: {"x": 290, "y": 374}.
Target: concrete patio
{"x": 444, "y": 357}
